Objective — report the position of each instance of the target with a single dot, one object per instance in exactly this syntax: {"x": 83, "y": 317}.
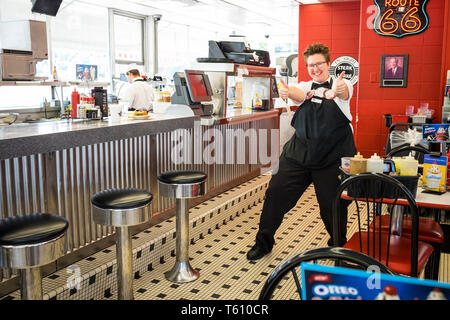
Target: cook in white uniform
{"x": 140, "y": 94}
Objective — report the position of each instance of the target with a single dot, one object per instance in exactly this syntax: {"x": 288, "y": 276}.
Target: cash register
{"x": 192, "y": 88}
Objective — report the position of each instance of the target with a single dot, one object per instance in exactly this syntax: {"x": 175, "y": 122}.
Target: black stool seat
{"x": 121, "y": 199}
{"x": 31, "y": 229}
{"x": 182, "y": 177}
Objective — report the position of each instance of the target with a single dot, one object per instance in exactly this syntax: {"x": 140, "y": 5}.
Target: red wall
{"x": 335, "y": 25}
{"x": 345, "y": 28}
{"x": 424, "y": 76}
{"x": 445, "y": 48}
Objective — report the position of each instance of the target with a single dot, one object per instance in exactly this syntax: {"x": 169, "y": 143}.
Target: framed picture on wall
{"x": 394, "y": 70}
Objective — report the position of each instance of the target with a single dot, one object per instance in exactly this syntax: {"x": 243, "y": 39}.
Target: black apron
{"x": 322, "y": 133}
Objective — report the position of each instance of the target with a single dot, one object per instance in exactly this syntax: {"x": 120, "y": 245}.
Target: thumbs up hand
{"x": 340, "y": 87}
{"x": 283, "y": 89}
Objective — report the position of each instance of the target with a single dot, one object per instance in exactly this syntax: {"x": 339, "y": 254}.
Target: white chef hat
{"x": 133, "y": 66}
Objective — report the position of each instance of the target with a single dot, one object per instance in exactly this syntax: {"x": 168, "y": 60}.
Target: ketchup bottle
{"x": 75, "y": 101}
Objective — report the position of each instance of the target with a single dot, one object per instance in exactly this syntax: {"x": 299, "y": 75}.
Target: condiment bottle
{"x": 409, "y": 166}
{"x": 75, "y": 101}
{"x": 357, "y": 164}
{"x": 398, "y": 164}
{"x": 375, "y": 164}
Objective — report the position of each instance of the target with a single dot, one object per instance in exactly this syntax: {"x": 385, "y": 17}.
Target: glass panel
{"x": 128, "y": 39}
{"x": 80, "y": 37}
{"x": 24, "y": 96}
{"x": 180, "y": 45}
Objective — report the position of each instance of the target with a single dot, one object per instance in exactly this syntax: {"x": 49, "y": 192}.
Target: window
{"x": 128, "y": 38}
{"x": 180, "y": 45}
{"x": 80, "y": 37}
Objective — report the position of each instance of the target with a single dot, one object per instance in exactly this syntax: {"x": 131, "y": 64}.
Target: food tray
{"x": 354, "y": 190}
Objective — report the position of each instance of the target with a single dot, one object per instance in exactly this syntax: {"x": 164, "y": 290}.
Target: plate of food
{"x": 139, "y": 115}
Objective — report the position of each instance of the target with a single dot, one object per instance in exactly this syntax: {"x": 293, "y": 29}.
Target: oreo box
{"x": 435, "y": 173}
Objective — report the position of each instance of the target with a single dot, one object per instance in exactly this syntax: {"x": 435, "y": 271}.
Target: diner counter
{"x": 238, "y": 115}
{"x": 57, "y": 166}
{"x": 23, "y": 139}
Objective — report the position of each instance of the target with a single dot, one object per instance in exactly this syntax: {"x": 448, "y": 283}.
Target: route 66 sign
{"x": 399, "y": 18}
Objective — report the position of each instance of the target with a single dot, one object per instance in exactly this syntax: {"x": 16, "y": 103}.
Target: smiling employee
{"x": 140, "y": 94}
{"x": 323, "y": 135}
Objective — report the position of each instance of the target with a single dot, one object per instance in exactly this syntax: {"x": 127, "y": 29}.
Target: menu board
{"x": 399, "y": 18}
{"x": 335, "y": 283}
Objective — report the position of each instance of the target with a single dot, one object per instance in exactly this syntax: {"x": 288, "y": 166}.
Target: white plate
{"x": 146, "y": 117}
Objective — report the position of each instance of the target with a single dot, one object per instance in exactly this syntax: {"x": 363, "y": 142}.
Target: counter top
{"x": 239, "y": 115}
{"x": 23, "y": 139}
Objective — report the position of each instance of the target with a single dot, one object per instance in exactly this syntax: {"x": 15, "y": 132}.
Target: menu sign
{"x": 399, "y": 18}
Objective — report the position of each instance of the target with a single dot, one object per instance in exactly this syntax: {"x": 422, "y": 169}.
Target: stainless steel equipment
{"x": 182, "y": 185}
{"x": 232, "y": 84}
{"x": 119, "y": 208}
{"x": 22, "y": 44}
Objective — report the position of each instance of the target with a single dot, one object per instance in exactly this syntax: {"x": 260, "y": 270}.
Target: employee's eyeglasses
{"x": 318, "y": 64}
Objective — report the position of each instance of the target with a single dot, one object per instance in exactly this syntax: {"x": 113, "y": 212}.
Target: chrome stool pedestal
{"x": 28, "y": 242}
{"x": 122, "y": 208}
{"x": 182, "y": 185}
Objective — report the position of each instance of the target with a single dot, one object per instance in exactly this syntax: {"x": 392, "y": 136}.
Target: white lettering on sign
{"x": 324, "y": 290}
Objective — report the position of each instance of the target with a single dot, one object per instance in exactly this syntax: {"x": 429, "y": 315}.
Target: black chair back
{"x": 292, "y": 266}
{"x": 418, "y": 152}
{"x": 368, "y": 191}
{"x": 400, "y": 127}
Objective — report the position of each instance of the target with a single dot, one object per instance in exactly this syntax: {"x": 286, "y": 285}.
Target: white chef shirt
{"x": 140, "y": 95}
{"x": 344, "y": 105}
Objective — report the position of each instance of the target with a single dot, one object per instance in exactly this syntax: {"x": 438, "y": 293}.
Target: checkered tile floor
{"x": 226, "y": 274}
{"x": 218, "y": 254}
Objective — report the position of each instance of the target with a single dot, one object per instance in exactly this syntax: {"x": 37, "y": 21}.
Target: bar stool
{"x": 28, "y": 242}
{"x": 122, "y": 208}
{"x": 182, "y": 185}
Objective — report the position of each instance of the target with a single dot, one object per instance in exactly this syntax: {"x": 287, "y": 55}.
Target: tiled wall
{"x": 424, "y": 75}
{"x": 346, "y": 27}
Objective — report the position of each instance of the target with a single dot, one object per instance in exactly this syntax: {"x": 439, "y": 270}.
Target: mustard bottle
{"x": 357, "y": 164}
{"x": 398, "y": 163}
{"x": 409, "y": 166}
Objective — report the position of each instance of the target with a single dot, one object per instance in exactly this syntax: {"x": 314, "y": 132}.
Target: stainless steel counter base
{"x": 73, "y": 165}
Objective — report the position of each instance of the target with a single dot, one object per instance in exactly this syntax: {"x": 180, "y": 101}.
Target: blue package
{"x": 436, "y": 132}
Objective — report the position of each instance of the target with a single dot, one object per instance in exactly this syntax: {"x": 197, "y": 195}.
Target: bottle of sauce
{"x": 409, "y": 166}
{"x": 398, "y": 164}
{"x": 357, "y": 164}
{"x": 375, "y": 164}
{"x": 75, "y": 101}
{"x": 55, "y": 74}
